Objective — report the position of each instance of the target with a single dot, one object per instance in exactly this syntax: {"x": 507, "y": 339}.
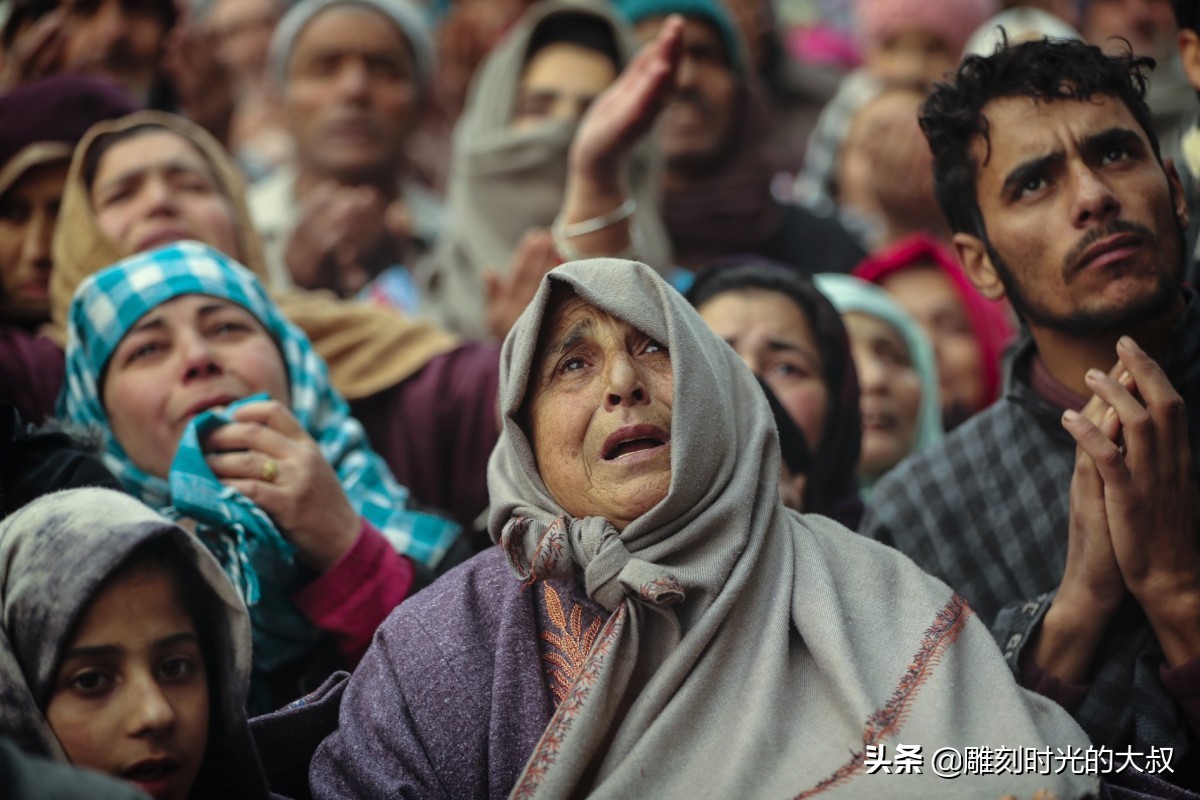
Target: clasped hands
{"x": 1133, "y": 515}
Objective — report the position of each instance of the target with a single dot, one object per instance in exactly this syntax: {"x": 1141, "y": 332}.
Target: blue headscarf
{"x": 849, "y": 294}
{"x": 255, "y": 556}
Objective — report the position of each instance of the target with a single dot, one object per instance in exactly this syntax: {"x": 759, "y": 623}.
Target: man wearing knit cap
{"x": 351, "y": 76}
{"x": 717, "y": 199}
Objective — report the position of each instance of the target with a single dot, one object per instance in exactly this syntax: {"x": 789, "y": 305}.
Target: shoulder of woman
{"x": 462, "y": 611}
{"x": 855, "y": 561}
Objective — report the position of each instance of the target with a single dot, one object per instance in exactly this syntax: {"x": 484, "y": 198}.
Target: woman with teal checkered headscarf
{"x": 217, "y": 410}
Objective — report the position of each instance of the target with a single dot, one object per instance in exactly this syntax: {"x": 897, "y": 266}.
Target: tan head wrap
{"x": 367, "y": 348}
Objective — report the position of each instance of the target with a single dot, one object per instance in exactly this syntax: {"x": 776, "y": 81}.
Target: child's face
{"x": 130, "y": 698}
{"x": 913, "y": 56}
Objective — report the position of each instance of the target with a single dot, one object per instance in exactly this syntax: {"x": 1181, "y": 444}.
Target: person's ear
{"x": 1189, "y": 55}
{"x": 977, "y": 265}
{"x": 1178, "y": 195}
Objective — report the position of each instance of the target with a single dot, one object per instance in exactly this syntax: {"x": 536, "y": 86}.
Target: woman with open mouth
{"x": 123, "y": 648}
{"x": 654, "y": 622}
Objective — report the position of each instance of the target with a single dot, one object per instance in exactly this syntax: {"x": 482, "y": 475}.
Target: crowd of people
{"x": 547, "y": 398}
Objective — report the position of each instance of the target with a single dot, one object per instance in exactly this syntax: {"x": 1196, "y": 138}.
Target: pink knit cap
{"x": 952, "y": 20}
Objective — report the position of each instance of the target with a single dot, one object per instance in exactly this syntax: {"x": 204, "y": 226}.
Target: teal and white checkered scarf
{"x": 257, "y": 559}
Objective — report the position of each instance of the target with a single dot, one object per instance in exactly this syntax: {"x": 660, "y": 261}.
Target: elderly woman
{"x": 897, "y": 375}
{"x": 655, "y": 623}
{"x": 790, "y": 335}
{"x": 426, "y": 400}
{"x": 216, "y": 408}
{"x": 123, "y": 649}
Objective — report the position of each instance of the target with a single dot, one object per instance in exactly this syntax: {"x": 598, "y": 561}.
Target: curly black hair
{"x": 1187, "y": 14}
{"x": 1046, "y": 70}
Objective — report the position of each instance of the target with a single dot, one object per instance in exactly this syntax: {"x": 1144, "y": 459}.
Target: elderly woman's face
{"x": 186, "y": 356}
{"x": 155, "y": 188}
{"x": 600, "y": 414}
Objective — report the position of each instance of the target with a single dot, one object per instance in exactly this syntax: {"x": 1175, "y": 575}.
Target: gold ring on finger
{"x": 270, "y": 470}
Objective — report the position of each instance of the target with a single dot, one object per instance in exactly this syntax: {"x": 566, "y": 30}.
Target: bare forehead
{"x": 186, "y": 309}
{"x": 151, "y": 146}
{"x": 1025, "y": 127}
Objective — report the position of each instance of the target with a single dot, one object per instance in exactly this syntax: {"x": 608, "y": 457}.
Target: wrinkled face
{"x": 914, "y": 55}
{"x": 28, "y": 211}
{"x": 130, "y": 697}
{"x": 186, "y": 356}
{"x": 351, "y": 94}
{"x": 243, "y": 29}
{"x": 891, "y": 393}
{"x": 117, "y": 39}
{"x": 927, "y": 294}
{"x": 154, "y": 188}
{"x": 1149, "y": 25}
{"x": 1085, "y": 226}
{"x": 559, "y": 83}
{"x": 600, "y": 414}
{"x": 773, "y": 336}
{"x": 696, "y": 126}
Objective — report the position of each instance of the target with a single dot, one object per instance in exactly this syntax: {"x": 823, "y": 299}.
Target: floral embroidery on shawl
{"x": 546, "y": 752}
{"x": 571, "y": 640}
{"x": 551, "y": 555}
{"x": 944, "y": 631}
{"x": 664, "y": 591}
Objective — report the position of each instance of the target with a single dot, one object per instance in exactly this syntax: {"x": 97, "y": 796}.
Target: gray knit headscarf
{"x": 408, "y": 18}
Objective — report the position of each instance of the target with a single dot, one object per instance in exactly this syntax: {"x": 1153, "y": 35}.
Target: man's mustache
{"x": 1071, "y": 261}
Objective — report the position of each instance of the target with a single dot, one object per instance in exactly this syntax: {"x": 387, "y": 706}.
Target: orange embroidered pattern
{"x": 547, "y": 750}
{"x": 947, "y": 625}
{"x": 572, "y": 641}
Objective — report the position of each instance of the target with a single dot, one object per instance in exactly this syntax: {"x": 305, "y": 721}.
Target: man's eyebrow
{"x": 1113, "y": 136}
{"x": 1026, "y": 170}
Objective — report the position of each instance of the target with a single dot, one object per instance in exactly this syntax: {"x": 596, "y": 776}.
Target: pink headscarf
{"x": 989, "y": 320}
{"x": 953, "y": 20}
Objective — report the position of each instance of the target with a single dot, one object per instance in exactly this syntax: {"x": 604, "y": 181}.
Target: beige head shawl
{"x": 504, "y": 181}
{"x": 750, "y": 650}
{"x": 367, "y": 348}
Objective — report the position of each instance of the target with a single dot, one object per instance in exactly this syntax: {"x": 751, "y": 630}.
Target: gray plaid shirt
{"x": 986, "y": 511}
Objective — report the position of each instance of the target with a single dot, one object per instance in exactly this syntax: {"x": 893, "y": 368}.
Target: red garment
{"x": 355, "y": 595}
{"x": 989, "y": 320}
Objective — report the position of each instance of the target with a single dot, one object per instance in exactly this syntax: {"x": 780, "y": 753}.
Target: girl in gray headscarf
{"x": 654, "y": 622}
{"x": 124, "y": 648}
